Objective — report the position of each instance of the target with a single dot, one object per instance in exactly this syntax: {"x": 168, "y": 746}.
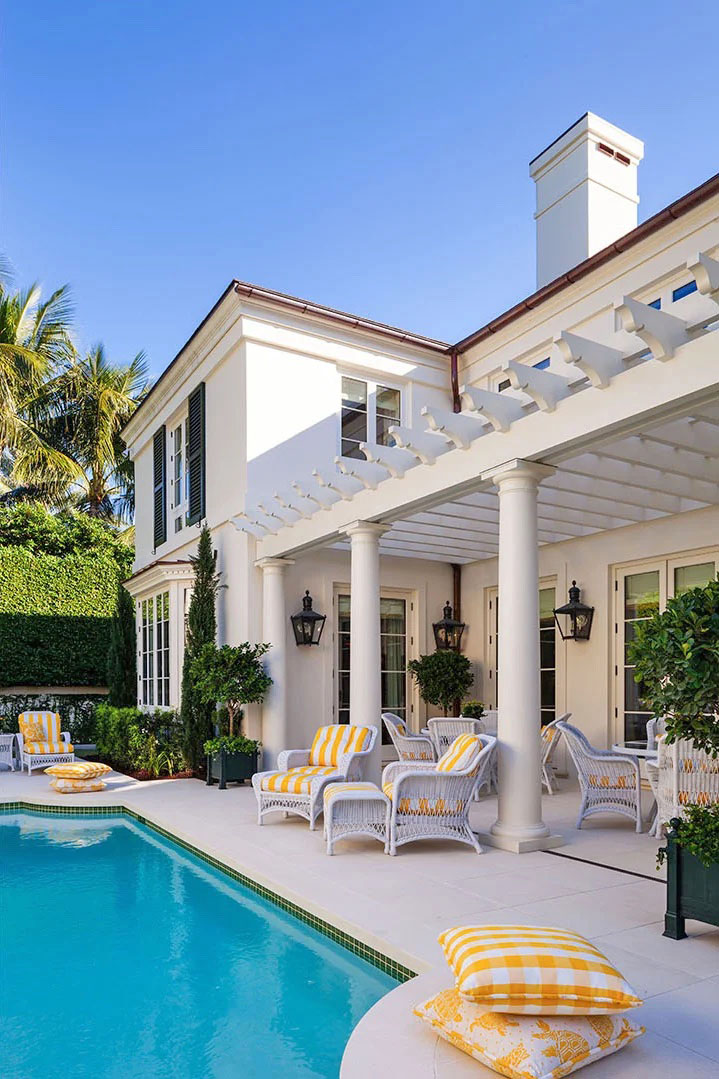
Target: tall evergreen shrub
{"x": 121, "y": 658}
{"x": 195, "y": 714}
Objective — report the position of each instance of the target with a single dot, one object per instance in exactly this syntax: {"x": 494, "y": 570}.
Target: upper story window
{"x": 368, "y": 411}
{"x": 178, "y": 472}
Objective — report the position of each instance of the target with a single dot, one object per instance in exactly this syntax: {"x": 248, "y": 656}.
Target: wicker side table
{"x": 8, "y": 752}
{"x": 355, "y": 809}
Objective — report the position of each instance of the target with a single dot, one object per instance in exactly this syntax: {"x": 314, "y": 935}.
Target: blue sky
{"x": 370, "y": 156}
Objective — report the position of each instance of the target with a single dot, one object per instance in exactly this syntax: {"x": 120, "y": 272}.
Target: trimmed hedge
{"x": 78, "y": 713}
{"x": 55, "y": 617}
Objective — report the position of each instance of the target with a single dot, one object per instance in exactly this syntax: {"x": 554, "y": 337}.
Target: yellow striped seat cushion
{"x": 622, "y": 783}
{"x": 423, "y": 807}
{"x": 366, "y": 791}
{"x": 40, "y": 726}
{"x": 79, "y": 770}
{"x": 460, "y": 754}
{"x": 523, "y": 1046}
{"x": 534, "y": 970}
{"x": 47, "y": 747}
{"x": 296, "y": 781}
{"x": 76, "y": 786}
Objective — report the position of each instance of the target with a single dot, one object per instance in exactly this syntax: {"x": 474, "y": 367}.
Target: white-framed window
{"x": 368, "y": 411}
{"x": 153, "y": 650}
{"x": 641, "y": 590}
{"x": 548, "y": 653}
{"x": 178, "y": 473}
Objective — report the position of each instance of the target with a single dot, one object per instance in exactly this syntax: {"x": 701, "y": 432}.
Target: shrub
{"x": 676, "y": 657}
{"x": 442, "y": 677}
{"x": 698, "y": 833}
{"x": 473, "y": 709}
{"x": 136, "y": 741}
{"x": 121, "y": 657}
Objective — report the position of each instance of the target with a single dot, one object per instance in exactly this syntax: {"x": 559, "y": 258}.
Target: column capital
{"x": 519, "y": 470}
{"x": 365, "y": 528}
{"x": 278, "y": 564}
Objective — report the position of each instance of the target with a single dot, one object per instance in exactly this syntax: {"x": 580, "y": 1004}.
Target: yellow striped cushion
{"x": 357, "y": 739}
{"x": 79, "y": 770}
{"x": 48, "y": 747}
{"x": 423, "y": 807}
{"x": 296, "y": 781}
{"x": 76, "y": 786}
{"x": 351, "y": 790}
{"x": 611, "y": 783}
{"x": 522, "y": 1046}
{"x": 534, "y": 970}
{"x": 40, "y": 726}
{"x": 460, "y": 753}
{"x": 327, "y": 744}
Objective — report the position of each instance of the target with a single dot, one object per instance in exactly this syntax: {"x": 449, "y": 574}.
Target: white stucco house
{"x": 574, "y": 437}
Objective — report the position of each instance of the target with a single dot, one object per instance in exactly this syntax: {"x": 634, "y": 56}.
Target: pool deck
{"x": 399, "y": 905}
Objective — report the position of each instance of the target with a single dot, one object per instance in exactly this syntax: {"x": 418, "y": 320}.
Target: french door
{"x": 640, "y": 591}
{"x": 394, "y": 642}
{"x": 547, "y": 652}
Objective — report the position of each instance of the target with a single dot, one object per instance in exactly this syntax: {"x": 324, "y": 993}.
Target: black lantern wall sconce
{"x": 307, "y": 625}
{"x": 579, "y": 624}
{"x": 448, "y": 631}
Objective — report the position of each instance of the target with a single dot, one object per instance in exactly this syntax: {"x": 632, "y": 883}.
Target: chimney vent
{"x": 586, "y": 185}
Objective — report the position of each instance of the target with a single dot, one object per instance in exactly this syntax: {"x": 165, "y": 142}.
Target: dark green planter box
{"x": 230, "y": 767}
{"x": 692, "y": 889}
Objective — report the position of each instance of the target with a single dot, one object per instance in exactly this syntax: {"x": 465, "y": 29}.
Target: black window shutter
{"x": 158, "y": 486}
{"x": 196, "y": 455}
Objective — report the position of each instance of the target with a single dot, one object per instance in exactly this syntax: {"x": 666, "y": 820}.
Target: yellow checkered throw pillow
{"x": 79, "y": 770}
{"x": 534, "y": 970}
{"x": 523, "y": 1046}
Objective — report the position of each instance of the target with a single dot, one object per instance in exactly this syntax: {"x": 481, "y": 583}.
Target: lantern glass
{"x": 448, "y": 631}
{"x": 307, "y": 625}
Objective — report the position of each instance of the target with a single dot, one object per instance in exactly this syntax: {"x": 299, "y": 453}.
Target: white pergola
{"x": 609, "y": 436}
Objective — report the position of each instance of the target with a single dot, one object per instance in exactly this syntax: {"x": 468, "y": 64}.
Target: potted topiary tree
{"x": 472, "y": 709}
{"x": 676, "y": 657}
{"x": 232, "y": 676}
{"x": 442, "y": 677}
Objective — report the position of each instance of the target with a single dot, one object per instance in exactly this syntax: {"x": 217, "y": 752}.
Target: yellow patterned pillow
{"x": 522, "y": 1046}
{"x": 76, "y": 786}
{"x": 460, "y": 754}
{"x": 534, "y": 970}
{"x": 79, "y": 770}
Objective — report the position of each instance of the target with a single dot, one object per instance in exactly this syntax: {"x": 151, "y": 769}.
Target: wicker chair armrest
{"x": 397, "y": 768}
{"x": 20, "y": 741}
{"x": 292, "y": 758}
{"x": 65, "y": 735}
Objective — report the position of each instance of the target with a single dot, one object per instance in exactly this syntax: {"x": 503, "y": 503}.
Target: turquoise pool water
{"x": 122, "y": 956}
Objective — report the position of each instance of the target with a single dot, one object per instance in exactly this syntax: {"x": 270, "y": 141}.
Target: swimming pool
{"x": 122, "y": 955}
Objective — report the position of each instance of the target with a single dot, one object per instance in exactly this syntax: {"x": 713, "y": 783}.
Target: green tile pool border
{"x": 364, "y": 951}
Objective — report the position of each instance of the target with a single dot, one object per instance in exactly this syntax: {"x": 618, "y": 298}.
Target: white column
{"x": 275, "y": 728}
{"x": 365, "y": 680}
{"x": 519, "y": 825}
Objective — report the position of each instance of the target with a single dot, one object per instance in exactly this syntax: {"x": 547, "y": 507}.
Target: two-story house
{"x": 574, "y": 437}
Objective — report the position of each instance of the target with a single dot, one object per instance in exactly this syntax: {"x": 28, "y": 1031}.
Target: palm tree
{"x": 35, "y": 343}
{"x": 80, "y": 412}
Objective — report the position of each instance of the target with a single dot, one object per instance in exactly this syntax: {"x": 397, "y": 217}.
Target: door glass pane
{"x": 393, "y": 657}
{"x": 547, "y": 654}
{"x": 641, "y": 601}
{"x": 686, "y": 577}
{"x": 343, "y": 659}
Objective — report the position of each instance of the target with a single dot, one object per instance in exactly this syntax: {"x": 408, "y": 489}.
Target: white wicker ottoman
{"x": 355, "y": 809}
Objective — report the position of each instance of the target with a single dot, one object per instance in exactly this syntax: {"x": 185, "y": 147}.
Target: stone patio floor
{"x": 602, "y": 883}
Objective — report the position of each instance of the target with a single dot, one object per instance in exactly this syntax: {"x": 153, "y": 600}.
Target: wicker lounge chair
{"x": 41, "y": 742}
{"x": 410, "y": 747}
{"x": 431, "y": 801}
{"x": 338, "y": 753}
{"x": 610, "y": 783}
{"x": 444, "y": 729}
{"x": 550, "y": 739}
{"x": 686, "y": 776}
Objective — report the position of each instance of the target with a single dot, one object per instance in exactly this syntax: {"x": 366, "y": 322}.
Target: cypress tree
{"x": 121, "y": 656}
{"x": 201, "y": 630}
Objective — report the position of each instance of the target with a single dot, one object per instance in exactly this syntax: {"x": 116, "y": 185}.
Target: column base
{"x": 521, "y": 846}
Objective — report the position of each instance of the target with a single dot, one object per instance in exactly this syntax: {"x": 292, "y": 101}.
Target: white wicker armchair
{"x": 410, "y": 747}
{"x": 40, "y": 741}
{"x": 685, "y": 776}
{"x": 427, "y": 803}
{"x": 297, "y": 785}
{"x": 550, "y": 739}
{"x": 444, "y": 729}
{"x": 609, "y": 782}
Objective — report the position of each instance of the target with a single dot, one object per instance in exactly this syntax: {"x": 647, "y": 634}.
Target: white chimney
{"x": 586, "y": 193}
